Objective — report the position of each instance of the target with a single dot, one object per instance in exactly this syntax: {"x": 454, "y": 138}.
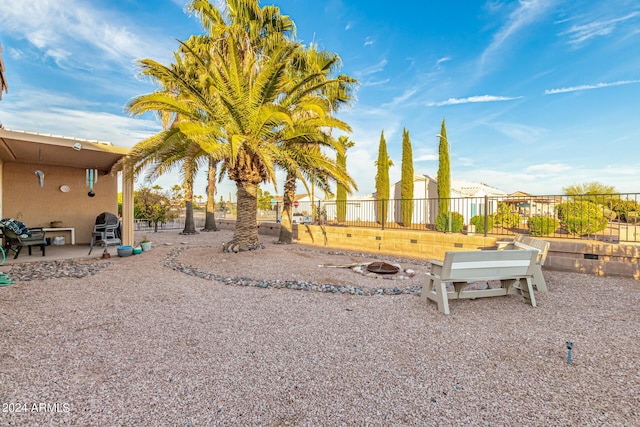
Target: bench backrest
{"x": 487, "y": 265}
{"x": 541, "y": 245}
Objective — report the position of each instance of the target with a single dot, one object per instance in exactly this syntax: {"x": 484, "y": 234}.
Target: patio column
{"x": 127, "y": 206}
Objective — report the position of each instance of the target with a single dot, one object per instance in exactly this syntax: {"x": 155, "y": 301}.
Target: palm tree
{"x": 3, "y": 81}
{"x": 330, "y": 95}
{"x": 164, "y": 152}
{"x": 235, "y": 100}
{"x": 341, "y": 191}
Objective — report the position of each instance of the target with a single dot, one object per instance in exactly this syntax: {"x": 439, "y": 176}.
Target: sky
{"x": 537, "y": 95}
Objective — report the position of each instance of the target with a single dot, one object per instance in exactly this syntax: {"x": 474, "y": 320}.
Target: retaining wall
{"x": 582, "y": 256}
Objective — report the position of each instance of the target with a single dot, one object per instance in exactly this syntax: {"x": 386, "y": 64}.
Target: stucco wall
{"x": 24, "y": 199}
{"x": 415, "y": 244}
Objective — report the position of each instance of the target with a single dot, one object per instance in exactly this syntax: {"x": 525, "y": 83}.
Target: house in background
{"x": 357, "y": 208}
{"x": 44, "y": 179}
{"x": 467, "y": 198}
{"x": 529, "y": 205}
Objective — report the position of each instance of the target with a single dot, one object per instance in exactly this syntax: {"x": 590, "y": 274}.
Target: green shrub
{"x": 542, "y": 225}
{"x": 442, "y": 222}
{"x": 632, "y": 216}
{"x": 582, "y": 217}
{"x": 625, "y": 209}
{"x": 478, "y": 221}
{"x": 504, "y": 217}
{"x": 577, "y": 209}
{"x": 609, "y": 214}
{"x": 585, "y": 225}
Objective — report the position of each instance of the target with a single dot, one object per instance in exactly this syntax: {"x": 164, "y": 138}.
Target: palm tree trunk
{"x": 210, "y": 217}
{"x": 245, "y": 235}
{"x": 189, "y": 223}
{"x": 286, "y": 224}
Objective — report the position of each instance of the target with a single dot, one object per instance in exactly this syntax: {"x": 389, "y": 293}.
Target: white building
{"x": 467, "y": 198}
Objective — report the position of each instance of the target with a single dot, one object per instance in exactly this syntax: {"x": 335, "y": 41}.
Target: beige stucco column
{"x": 127, "y": 206}
{"x": 1, "y": 184}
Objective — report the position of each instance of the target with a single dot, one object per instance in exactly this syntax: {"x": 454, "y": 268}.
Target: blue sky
{"x": 537, "y": 95}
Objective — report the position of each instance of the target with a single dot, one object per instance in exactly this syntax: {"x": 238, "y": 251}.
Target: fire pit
{"x": 380, "y": 267}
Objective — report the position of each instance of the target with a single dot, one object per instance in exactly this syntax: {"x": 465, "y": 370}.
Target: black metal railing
{"x": 603, "y": 217}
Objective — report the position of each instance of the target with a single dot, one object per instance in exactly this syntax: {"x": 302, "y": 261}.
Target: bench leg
{"x": 538, "y": 280}
{"x": 441, "y": 296}
{"x": 436, "y": 290}
{"x": 526, "y": 289}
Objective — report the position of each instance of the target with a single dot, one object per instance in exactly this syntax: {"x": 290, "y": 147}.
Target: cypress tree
{"x": 444, "y": 181}
{"x": 341, "y": 191}
{"x": 406, "y": 182}
{"x": 444, "y": 172}
{"x": 382, "y": 180}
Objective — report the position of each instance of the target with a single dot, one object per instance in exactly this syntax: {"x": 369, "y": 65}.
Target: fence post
{"x": 486, "y": 215}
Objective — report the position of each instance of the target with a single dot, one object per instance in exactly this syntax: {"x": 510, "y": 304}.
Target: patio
{"x": 55, "y": 253}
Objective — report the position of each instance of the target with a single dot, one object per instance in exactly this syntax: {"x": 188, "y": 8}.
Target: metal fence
{"x": 172, "y": 224}
{"x": 603, "y": 217}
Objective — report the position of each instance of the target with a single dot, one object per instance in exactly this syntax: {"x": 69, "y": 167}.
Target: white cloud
{"x": 518, "y": 132}
{"x": 579, "y": 34}
{"x": 426, "y": 158}
{"x": 472, "y": 99}
{"x": 65, "y": 28}
{"x": 56, "y": 113}
{"x": 588, "y": 87}
{"x": 527, "y": 12}
{"x": 441, "y": 61}
{"x": 548, "y": 168}
{"x": 373, "y": 69}
{"x": 375, "y": 82}
{"x": 368, "y": 41}
{"x": 408, "y": 93}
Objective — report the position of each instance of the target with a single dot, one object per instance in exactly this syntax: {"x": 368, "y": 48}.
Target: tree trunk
{"x": 189, "y": 224}
{"x": 210, "y": 217}
{"x": 245, "y": 235}
{"x": 286, "y": 225}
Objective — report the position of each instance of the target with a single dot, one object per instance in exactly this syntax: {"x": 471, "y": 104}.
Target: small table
{"x": 70, "y": 229}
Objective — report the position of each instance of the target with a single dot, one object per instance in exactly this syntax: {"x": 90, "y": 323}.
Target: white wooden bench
{"x": 529, "y": 243}
{"x": 514, "y": 269}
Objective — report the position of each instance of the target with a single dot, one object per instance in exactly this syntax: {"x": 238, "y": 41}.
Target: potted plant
{"x": 145, "y": 244}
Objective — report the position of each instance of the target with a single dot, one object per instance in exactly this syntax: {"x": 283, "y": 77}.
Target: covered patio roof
{"x": 40, "y": 149}
{"x": 30, "y": 147}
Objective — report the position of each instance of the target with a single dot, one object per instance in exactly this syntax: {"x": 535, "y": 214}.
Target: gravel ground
{"x": 187, "y": 335}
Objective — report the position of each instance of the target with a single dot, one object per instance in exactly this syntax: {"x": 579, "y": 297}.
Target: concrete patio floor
{"x": 53, "y": 253}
